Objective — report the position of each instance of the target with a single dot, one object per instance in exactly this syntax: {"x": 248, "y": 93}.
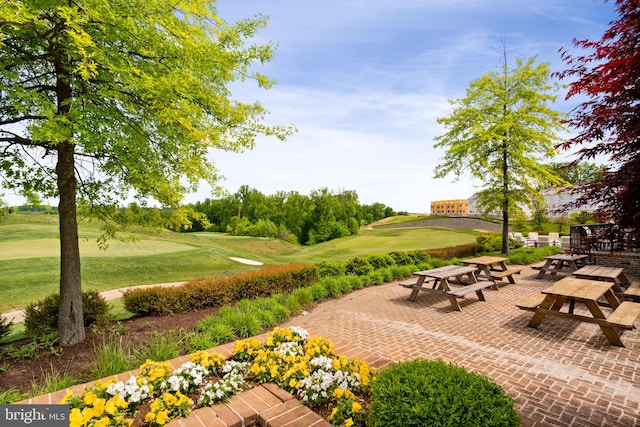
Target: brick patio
{"x": 565, "y": 373}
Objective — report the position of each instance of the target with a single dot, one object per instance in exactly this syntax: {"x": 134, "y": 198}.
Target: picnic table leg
{"x": 454, "y": 303}
{"x": 543, "y": 270}
{"x": 547, "y": 304}
{"x": 608, "y": 331}
{"x": 415, "y": 291}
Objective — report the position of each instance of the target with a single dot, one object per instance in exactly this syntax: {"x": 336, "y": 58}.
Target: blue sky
{"x": 365, "y": 81}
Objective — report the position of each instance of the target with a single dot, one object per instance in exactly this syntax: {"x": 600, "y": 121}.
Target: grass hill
{"x": 29, "y": 254}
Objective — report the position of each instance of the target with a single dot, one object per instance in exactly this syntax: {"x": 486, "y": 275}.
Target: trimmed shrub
{"x": 330, "y": 269}
{"x": 358, "y": 265}
{"x": 432, "y": 393}
{"x": 401, "y": 258}
{"x": 492, "y": 242}
{"x": 461, "y": 251}
{"x": 220, "y": 291}
{"x": 41, "y": 317}
{"x": 380, "y": 261}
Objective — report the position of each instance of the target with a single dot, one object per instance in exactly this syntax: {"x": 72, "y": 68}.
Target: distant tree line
{"x": 291, "y": 216}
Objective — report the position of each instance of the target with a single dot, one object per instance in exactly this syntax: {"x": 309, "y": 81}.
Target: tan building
{"x": 450, "y": 207}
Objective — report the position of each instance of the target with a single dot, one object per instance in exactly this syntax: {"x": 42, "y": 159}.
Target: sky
{"x": 365, "y": 81}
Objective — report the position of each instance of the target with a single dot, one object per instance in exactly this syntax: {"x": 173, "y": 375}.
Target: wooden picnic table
{"x": 442, "y": 278}
{"x": 493, "y": 268}
{"x": 607, "y": 274}
{"x": 572, "y": 290}
{"x": 561, "y": 263}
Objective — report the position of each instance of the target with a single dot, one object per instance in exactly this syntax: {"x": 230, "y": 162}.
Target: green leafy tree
{"x": 579, "y": 173}
{"x": 500, "y": 133}
{"x": 99, "y": 98}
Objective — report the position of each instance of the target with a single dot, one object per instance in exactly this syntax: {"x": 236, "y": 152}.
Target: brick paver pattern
{"x": 564, "y": 373}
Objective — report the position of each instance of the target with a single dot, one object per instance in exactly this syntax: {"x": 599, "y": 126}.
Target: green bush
{"x": 220, "y": 291}
{"x": 41, "y": 317}
{"x": 492, "y": 242}
{"x": 330, "y": 269}
{"x": 461, "y": 251}
{"x": 401, "y": 258}
{"x": 432, "y": 393}
{"x": 380, "y": 261}
{"x": 5, "y": 327}
{"x": 358, "y": 266}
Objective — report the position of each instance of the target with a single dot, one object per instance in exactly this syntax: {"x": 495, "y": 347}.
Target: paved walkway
{"x": 565, "y": 373}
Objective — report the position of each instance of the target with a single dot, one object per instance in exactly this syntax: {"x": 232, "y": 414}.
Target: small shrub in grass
{"x": 292, "y": 304}
{"x": 162, "y": 346}
{"x": 5, "y": 327}
{"x": 355, "y": 282}
{"x": 401, "y": 258}
{"x": 528, "y": 256}
{"x": 380, "y": 261}
{"x": 267, "y": 318}
{"x": 41, "y": 317}
{"x": 330, "y": 269}
{"x": 432, "y": 393}
{"x": 358, "y": 265}
{"x": 280, "y": 311}
{"x": 332, "y": 286}
{"x": 417, "y": 256}
{"x": 245, "y": 305}
{"x": 53, "y": 381}
{"x": 401, "y": 271}
{"x": 345, "y": 284}
{"x": 387, "y": 274}
{"x": 111, "y": 357}
{"x": 304, "y": 296}
{"x": 201, "y": 341}
{"x": 375, "y": 278}
{"x": 220, "y": 333}
{"x": 318, "y": 291}
{"x": 247, "y": 325}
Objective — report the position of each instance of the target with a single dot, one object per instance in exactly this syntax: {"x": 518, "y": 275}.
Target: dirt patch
{"x": 28, "y": 374}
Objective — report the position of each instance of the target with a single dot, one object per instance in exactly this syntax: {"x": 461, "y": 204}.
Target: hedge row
{"x": 220, "y": 291}
{"x": 278, "y": 279}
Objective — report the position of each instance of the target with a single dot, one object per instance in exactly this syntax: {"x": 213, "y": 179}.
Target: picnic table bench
{"x": 493, "y": 269}
{"x": 442, "y": 278}
{"x": 632, "y": 292}
{"x": 573, "y": 289}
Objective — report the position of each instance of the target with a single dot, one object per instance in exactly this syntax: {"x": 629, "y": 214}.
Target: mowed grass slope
{"x": 30, "y": 261}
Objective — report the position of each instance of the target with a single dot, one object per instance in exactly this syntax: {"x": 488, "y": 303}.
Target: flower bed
{"x": 304, "y": 366}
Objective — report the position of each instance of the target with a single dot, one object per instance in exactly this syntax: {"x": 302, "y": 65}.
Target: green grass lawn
{"x": 29, "y": 254}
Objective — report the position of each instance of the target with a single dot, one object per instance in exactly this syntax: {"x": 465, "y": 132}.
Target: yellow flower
{"x": 156, "y": 405}
{"x": 293, "y": 382}
{"x": 273, "y": 371}
{"x": 338, "y": 392}
{"x": 334, "y": 411}
{"x": 162, "y": 417}
{"x": 89, "y": 397}
{"x": 348, "y": 422}
{"x": 169, "y": 399}
{"x": 87, "y": 414}
{"x": 68, "y": 395}
{"x": 149, "y": 417}
{"x": 356, "y": 407}
{"x": 102, "y": 422}
{"x": 98, "y": 407}
{"x": 75, "y": 418}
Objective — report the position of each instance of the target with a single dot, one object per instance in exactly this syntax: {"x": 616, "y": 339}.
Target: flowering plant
{"x": 303, "y": 365}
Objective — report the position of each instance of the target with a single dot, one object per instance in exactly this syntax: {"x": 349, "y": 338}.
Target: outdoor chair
{"x": 554, "y": 239}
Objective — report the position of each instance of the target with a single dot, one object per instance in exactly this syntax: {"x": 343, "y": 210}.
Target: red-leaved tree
{"x": 608, "y": 122}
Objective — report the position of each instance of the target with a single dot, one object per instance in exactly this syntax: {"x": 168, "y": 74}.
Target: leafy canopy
{"x": 500, "y": 133}
{"x": 147, "y": 93}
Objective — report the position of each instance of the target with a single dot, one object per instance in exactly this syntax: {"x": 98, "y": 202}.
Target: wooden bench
{"x": 531, "y": 302}
{"x": 475, "y": 287}
{"x": 508, "y": 273}
{"x": 538, "y": 266}
{"x": 632, "y": 292}
{"x": 624, "y": 315}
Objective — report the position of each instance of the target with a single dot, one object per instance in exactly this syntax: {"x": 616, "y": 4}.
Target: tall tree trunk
{"x": 505, "y": 198}
{"x": 70, "y": 319}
